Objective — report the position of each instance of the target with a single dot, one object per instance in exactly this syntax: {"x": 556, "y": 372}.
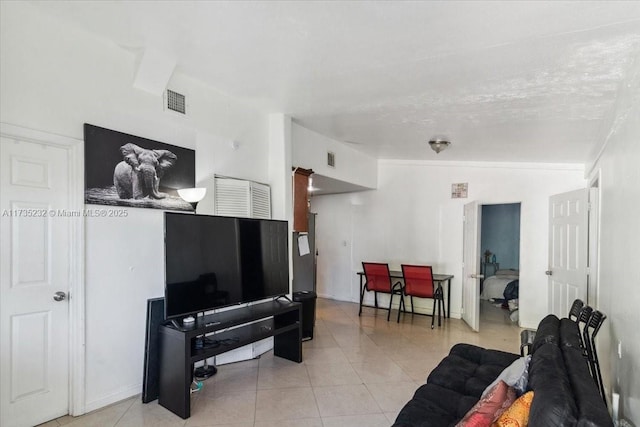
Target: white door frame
{"x": 593, "y": 232}
{"x": 519, "y": 238}
{"x": 75, "y": 155}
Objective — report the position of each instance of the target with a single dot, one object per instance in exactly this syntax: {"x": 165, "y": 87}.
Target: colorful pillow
{"x": 490, "y": 407}
{"x": 517, "y": 415}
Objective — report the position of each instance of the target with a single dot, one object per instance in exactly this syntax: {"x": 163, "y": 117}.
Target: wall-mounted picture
{"x": 128, "y": 170}
{"x": 459, "y": 191}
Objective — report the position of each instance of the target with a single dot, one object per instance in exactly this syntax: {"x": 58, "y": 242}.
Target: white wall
{"x": 619, "y": 276}
{"x": 54, "y": 79}
{"x": 412, "y": 218}
{"x": 310, "y": 149}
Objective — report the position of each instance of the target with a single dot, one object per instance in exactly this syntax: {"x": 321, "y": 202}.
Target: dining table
{"x": 439, "y": 278}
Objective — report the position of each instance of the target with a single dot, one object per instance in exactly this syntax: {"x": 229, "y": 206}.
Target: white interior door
{"x": 568, "y": 248}
{"x": 470, "y": 272}
{"x": 35, "y": 264}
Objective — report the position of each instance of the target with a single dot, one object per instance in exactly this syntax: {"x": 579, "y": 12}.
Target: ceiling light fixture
{"x": 438, "y": 144}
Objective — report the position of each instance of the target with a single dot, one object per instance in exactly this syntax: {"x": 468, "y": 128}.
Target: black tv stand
{"x": 178, "y": 350}
{"x": 282, "y": 296}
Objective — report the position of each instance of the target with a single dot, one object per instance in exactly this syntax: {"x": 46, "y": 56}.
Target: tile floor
{"x": 357, "y": 371}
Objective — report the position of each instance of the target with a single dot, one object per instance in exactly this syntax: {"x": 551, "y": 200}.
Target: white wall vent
{"x": 331, "y": 159}
{"x": 176, "y": 102}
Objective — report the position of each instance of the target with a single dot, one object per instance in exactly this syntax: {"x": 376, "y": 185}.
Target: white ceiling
{"x": 502, "y": 80}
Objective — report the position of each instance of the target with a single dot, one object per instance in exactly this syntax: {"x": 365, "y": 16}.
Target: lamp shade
{"x": 192, "y": 195}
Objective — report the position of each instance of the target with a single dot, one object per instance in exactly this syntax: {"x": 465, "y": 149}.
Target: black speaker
{"x": 155, "y": 317}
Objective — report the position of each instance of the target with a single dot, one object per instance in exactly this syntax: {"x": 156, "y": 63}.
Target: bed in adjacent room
{"x": 493, "y": 287}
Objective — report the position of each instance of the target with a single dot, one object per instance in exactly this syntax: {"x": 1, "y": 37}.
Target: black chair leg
{"x": 375, "y": 299}
{"x": 433, "y": 312}
{"x": 401, "y": 308}
{"x": 361, "y": 299}
{"x": 390, "y": 302}
{"x": 597, "y": 368}
{"x": 412, "y": 312}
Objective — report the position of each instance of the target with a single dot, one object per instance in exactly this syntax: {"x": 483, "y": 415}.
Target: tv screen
{"x": 217, "y": 261}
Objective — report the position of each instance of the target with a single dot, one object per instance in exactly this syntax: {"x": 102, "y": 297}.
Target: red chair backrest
{"x": 378, "y": 277}
{"x": 418, "y": 280}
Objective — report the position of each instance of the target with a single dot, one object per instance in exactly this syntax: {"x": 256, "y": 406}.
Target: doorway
{"x": 500, "y": 264}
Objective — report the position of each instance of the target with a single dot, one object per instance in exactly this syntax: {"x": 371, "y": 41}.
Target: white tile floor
{"x": 357, "y": 371}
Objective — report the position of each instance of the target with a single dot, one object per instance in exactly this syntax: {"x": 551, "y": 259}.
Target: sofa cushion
{"x": 553, "y": 404}
{"x": 548, "y": 332}
{"x": 469, "y": 369}
{"x": 591, "y": 408}
{"x": 433, "y": 405}
{"x": 569, "y": 334}
{"x": 453, "y": 373}
{"x": 482, "y": 356}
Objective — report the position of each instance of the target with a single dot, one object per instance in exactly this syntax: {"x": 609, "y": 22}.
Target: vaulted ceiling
{"x": 504, "y": 81}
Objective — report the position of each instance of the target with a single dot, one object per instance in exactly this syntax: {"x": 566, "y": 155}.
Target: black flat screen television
{"x": 218, "y": 261}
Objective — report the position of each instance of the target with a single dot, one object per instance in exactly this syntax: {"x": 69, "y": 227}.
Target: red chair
{"x": 418, "y": 282}
{"x": 378, "y": 279}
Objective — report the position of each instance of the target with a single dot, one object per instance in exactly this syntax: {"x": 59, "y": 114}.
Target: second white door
{"x": 567, "y": 250}
{"x": 470, "y": 272}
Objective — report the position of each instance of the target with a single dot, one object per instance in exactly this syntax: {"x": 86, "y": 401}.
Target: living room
{"x": 57, "y": 75}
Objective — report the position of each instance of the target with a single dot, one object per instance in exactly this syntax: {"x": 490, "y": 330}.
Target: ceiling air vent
{"x": 176, "y": 102}
{"x": 331, "y": 159}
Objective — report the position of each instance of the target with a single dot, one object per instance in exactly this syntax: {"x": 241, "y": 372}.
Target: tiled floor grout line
{"x": 124, "y": 413}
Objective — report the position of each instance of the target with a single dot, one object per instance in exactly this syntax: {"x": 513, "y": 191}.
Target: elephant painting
{"x": 139, "y": 174}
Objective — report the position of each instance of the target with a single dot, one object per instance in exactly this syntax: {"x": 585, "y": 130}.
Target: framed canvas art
{"x": 128, "y": 170}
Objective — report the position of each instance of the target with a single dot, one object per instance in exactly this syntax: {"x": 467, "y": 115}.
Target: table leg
{"x": 361, "y": 295}
{"x": 444, "y": 311}
{"x": 448, "y": 313}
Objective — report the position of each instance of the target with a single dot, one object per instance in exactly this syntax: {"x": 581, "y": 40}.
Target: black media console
{"x": 180, "y": 345}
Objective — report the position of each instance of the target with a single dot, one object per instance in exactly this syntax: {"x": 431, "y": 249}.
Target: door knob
{"x": 549, "y": 273}
{"x": 59, "y": 296}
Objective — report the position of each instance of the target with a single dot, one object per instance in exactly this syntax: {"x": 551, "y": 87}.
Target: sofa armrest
{"x": 483, "y": 356}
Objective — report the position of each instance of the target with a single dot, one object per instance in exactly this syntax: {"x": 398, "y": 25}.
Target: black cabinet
{"x": 181, "y": 345}
{"x": 308, "y": 301}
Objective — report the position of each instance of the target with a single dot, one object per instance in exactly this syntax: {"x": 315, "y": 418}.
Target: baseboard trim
{"x": 420, "y": 309}
{"x": 109, "y": 399}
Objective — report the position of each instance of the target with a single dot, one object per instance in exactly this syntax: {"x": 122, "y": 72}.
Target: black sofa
{"x": 565, "y": 394}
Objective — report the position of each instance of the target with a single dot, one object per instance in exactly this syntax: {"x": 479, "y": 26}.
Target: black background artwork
{"x": 102, "y": 154}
